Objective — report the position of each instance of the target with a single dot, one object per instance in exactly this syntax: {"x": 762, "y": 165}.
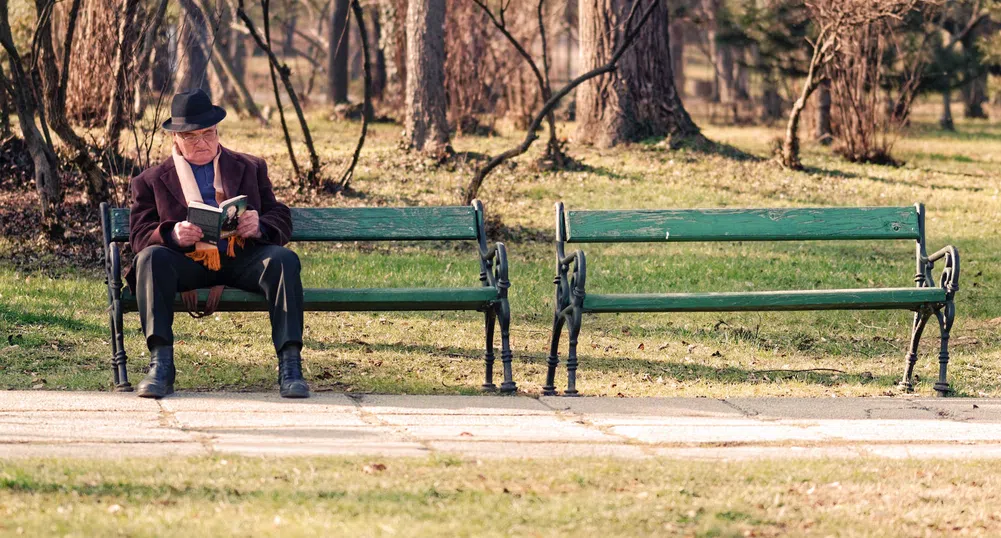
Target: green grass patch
{"x": 227, "y": 496}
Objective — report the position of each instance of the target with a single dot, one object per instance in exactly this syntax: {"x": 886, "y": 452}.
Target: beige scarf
{"x": 206, "y": 253}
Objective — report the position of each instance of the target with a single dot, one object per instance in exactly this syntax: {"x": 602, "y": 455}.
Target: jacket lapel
{"x": 231, "y": 170}
{"x": 173, "y": 185}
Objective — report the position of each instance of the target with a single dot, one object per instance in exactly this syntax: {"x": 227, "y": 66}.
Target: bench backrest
{"x": 359, "y": 224}
{"x": 794, "y": 224}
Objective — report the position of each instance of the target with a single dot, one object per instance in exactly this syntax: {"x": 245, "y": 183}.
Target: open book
{"x": 217, "y": 222}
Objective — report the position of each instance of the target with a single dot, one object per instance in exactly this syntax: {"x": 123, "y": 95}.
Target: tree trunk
{"x": 337, "y": 72}
{"x": 678, "y": 55}
{"x": 825, "y": 134}
{"x": 638, "y": 100}
{"x": 144, "y": 64}
{"x": 392, "y": 21}
{"x": 945, "y": 122}
{"x": 22, "y": 90}
{"x": 117, "y": 104}
{"x": 379, "y": 73}
{"x": 192, "y": 60}
{"x": 97, "y": 189}
{"x": 974, "y": 97}
{"x": 426, "y": 124}
{"x": 4, "y": 113}
{"x": 224, "y": 66}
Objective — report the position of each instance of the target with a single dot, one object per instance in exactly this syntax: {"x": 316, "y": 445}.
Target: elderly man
{"x": 171, "y": 258}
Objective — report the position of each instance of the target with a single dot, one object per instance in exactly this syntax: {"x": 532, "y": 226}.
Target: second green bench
{"x": 703, "y": 225}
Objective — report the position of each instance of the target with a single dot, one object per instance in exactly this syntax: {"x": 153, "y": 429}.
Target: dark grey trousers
{"x": 161, "y": 272}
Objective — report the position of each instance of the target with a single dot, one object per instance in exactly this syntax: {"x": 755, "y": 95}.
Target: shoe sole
{"x": 168, "y": 392}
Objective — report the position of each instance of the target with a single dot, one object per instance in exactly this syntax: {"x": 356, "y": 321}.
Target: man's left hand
{"x": 250, "y": 225}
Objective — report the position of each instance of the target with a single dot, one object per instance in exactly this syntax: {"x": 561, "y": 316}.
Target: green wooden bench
{"x": 349, "y": 224}
{"x": 678, "y": 225}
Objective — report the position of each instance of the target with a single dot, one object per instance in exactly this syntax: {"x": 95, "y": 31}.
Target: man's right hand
{"x": 186, "y": 234}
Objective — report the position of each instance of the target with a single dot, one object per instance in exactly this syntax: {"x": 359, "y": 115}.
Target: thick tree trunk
{"x": 638, "y": 99}
{"x": 192, "y": 59}
{"x": 426, "y": 124}
{"x": 825, "y": 134}
{"x": 118, "y": 101}
{"x": 394, "y": 43}
{"x": 678, "y": 55}
{"x": 379, "y": 71}
{"x": 22, "y": 90}
{"x": 337, "y": 71}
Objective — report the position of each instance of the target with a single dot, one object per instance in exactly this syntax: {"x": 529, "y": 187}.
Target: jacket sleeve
{"x": 275, "y": 217}
{"x": 145, "y": 228}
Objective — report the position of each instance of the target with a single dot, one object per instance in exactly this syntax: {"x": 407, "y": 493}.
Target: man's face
{"x": 198, "y": 147}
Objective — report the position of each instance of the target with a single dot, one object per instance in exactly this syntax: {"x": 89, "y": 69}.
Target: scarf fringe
{"x": 208, "y": 254}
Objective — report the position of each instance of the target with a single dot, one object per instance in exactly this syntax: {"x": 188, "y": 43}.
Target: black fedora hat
{"x": 193, "y": 110}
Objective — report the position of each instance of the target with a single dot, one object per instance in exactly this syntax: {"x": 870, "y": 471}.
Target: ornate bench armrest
{"x": 950, "y": 272}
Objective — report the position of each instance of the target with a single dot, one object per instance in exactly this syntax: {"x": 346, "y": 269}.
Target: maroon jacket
{"x": 158, "y": 202}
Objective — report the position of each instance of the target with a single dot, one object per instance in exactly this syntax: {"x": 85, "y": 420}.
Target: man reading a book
{"x": 172, "y": 257}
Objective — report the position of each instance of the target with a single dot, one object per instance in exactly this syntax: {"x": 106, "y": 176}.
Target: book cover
{"x": 217, "y": 222}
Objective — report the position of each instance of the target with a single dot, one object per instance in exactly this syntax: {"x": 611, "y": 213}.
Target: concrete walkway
{"x": 106, "y": 425}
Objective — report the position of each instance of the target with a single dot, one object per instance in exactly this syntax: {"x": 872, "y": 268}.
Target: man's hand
{"x": 250, "y": 225}
{"x": 186, "y": 234}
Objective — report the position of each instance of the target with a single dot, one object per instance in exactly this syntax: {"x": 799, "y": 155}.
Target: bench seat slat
{"x": 360, "y": 223}
{"x": 851, "y": 299}
{"x": 347, "y": 300}
{"x": 782, "y": 224}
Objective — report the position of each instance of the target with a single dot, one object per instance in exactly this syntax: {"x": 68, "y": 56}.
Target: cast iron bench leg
{"x": 553, "y": 360}
{"x": 920, "y": 319}
{"x": 945, "y": 316}
{"x": 504, "y": 316}
{"x": 575, "y": 322}
{"x": 488, "y": 357}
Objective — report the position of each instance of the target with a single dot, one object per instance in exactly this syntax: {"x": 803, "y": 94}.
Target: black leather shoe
{"x": 290, "y": 381}
{"x": 159, "y": 382}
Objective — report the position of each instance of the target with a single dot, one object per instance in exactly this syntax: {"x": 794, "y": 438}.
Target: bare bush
{"x": 875, "y": 72}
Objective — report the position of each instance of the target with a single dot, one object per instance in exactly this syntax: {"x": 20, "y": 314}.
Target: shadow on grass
{"x": 930, "y": 185}
{"x": 21, "y": 317}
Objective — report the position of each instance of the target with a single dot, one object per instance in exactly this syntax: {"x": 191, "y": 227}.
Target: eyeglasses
{"x": 191, "y": 138}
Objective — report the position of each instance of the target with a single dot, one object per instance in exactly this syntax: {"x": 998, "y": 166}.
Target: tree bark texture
{"x": 392, "y": 21}
{"x": 337, "y": 71}
{"x": 974, "y": 97}
{"x": 678, "y": 55}
{"x": 192, "y": 59}
{"x": 945, "y": 122}
{"x": 425, "y": 122}
{"x": 638, "y": 100}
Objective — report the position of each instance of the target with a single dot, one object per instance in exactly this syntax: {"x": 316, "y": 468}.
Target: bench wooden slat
{"x": 850, "y": 299}
{"x": 742, "y": 224}
{"x": 361, "y": 223}
{"x": 346, "y": 300}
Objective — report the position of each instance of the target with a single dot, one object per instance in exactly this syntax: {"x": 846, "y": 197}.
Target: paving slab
{"x": 936, "y": 431}
{"x": 693, "y": 431}
{"x": 452, "y": 405}
{"x": 257, "y": 402}
{"x": 103, "y": 450}
{"x": 195, "y": 420}
{"x": 553, "y": 431}
{"x": 659, "y": 407}
{"x": 504, "y": 450}
{"x": 264, "y": 447}
{"x": 39, "y": 400}
{"x": 963, "y": 408}
{"x": 87, "y": 426}
{"x": 834, "y": 408}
